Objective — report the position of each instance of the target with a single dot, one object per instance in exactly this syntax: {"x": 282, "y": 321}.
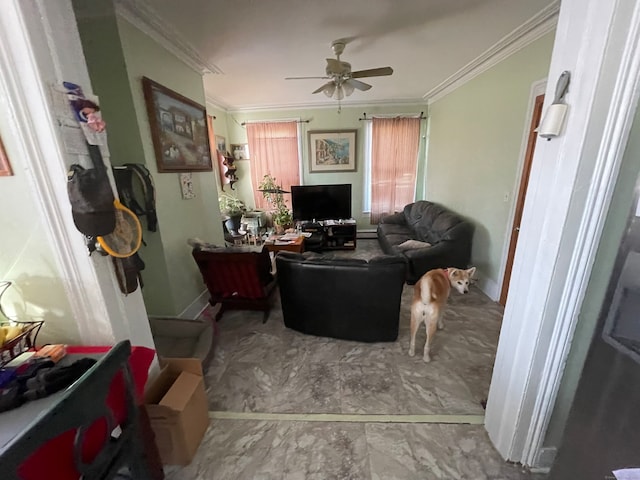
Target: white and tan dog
{"x": 430, "y": 295}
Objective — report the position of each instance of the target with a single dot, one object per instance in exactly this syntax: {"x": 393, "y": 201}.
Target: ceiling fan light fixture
{"x": 348, "y": 88}
{"x": 339, "y": 95}
{"x": 329, "y": 89}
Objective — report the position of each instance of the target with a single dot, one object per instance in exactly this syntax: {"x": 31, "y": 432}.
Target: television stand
{"x": 330, "y": 235}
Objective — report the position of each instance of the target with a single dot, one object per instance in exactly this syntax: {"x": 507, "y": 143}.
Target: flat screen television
{"x": 321, "y": 202}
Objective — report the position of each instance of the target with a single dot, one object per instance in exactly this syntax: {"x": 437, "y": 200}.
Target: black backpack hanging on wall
{"x": 94, "y": 214}
{"x": 124, "y": 176}
{"x": 91, "y": 197}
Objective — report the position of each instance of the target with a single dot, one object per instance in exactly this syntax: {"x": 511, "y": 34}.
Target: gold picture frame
{"x": 178, "y": 129}
{"x": 332, "y": 151}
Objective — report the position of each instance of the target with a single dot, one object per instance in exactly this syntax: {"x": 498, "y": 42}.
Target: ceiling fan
{"x": 342, "y": 81}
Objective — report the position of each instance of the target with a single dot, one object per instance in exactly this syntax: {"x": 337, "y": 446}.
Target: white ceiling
{"x": 255, "y": 44}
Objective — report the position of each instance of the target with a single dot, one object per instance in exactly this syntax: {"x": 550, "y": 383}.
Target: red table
{"x": 56, "y": 457}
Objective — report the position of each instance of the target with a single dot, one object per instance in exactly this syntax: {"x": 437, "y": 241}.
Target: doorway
{"x": 522, "y": 192}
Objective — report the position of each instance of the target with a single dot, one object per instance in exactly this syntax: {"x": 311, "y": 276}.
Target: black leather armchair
{"x": 350, "y": 299}
{"x": 449, "y": 235}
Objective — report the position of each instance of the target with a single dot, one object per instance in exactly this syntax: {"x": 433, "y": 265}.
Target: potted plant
{"x": 232, "y": 208}
{"x": 280, "y": 214}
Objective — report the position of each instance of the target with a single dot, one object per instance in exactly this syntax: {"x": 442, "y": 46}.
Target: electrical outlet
{"x": 506, "y": 197}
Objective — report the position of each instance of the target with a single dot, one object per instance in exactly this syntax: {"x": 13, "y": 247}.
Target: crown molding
{"x": 141, "y": 15}
{"x": 530, "y": 31}
{"x": 325, "y": 105}
{"x": 216, "y": 103}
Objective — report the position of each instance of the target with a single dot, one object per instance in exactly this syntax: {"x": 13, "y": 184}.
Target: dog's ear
{"x": 471, "y": 272}
{"x": 453, "y": 272}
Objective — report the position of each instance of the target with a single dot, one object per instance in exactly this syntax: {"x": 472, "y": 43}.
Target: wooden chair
{"x": 237, "y": 278}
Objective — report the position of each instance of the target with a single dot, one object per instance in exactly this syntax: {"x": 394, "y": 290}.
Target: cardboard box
{"x": 178, "y": 409}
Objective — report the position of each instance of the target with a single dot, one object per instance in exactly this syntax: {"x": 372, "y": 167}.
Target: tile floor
{"x": 267, "y": 368}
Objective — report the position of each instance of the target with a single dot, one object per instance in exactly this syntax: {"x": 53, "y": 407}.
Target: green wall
{"x": 27, "y": 255}
{"x": 118, "y": 56}
{"x": 178, "y": 219}
{"x": 319, "y": 119}
{"x": 475, "y": 144}
{"x": 614, "y": 227}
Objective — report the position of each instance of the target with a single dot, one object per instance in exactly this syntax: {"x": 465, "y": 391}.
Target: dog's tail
{"x": 427, "y": 293}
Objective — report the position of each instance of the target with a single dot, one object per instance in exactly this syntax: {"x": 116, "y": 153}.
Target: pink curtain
{"x": 394, "y": 161}
{"x": 273, "y": 149}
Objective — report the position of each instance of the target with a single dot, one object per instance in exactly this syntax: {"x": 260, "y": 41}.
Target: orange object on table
{"x": 56, "y": 457}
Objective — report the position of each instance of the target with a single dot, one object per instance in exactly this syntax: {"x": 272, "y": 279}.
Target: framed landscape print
{"x": 5, "y": 167}
{"x": 178, "y": 129}
{"x": 332, "y": 151}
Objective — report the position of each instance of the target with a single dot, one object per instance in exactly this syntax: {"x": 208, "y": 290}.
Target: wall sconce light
{"x": 553, "y": 120}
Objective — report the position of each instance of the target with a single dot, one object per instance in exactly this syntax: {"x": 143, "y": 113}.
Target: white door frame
{"x": 570, "y": 188}
{"x": 39, "y": 47}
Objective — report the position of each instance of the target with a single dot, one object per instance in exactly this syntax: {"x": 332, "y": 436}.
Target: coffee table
{"x": 296, "y": 245}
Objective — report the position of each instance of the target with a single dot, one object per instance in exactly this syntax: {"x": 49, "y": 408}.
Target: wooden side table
{"x": 296, "y": 246}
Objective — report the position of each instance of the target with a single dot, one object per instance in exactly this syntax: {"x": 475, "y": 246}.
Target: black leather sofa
{"x": 449, "y": 234}
{"x": 350, "y": 299}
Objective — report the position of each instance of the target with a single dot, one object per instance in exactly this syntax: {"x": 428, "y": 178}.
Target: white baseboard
{"x": 490, "y": 287}
{"x": 196, "y": 307}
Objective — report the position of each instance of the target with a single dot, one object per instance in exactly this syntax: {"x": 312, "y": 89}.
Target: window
{"x": 392, "y": 144}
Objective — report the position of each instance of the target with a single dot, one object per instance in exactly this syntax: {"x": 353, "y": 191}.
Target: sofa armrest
{"x": 397, "y": 218}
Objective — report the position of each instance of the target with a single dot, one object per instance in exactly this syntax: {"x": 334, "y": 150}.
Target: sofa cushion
{"x": 413, "y": 244}
{"x": 429, "y": 221}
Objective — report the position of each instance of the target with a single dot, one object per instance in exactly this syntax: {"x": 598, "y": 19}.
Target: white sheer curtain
{"x": 394, "y": 162}
{"x": 273, "y": 148}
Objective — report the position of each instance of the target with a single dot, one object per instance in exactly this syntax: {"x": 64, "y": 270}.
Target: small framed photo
{"x": 178, "y": 129}
{"x": 332, "y": 151}
{"x": 240, "y": 151}
{"x": 5, "y": 167}
{"x": 221, "y": 144}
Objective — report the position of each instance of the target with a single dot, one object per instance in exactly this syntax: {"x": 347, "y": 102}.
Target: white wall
{"x": 178, "y": 219}
{"x": 27, "y": 253}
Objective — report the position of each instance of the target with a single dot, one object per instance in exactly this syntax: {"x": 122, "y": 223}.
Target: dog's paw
{"x": 441, "y": 326}
{"x": 427, "y": 358}
{"x": 412, "y": 353}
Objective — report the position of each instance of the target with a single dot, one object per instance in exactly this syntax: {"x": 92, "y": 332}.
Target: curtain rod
{"x": 276, "y": 121}
{"x": 365, "y": 118}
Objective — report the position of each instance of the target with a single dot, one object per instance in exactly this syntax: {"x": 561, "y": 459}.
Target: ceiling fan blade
{"x": 328, "y": 84}
{"x": 358, "y": 84}
{"x": 373, "y": 72}
{"x": 306, "y": 78}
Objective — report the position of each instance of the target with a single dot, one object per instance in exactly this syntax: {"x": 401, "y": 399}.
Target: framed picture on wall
{"x": 240, "y": 151}
{"x": 221, "y": 144}
{"x": 5, "y": 167}
{"x": 332, "y": 151}
{"x": 178, "y": 129}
